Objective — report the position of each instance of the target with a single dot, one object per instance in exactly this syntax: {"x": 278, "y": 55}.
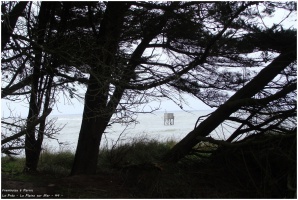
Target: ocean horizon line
{"x": 145, "y": 112}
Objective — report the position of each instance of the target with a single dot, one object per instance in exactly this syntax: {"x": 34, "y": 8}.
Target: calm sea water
{"x": 150, "y": 126}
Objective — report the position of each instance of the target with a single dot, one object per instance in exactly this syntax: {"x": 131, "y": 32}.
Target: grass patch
{"x": 138, "y": 151}
{"x": 12, "y": 165}
{"x": 56, "y": 163}
{"x": 60, "y": 163}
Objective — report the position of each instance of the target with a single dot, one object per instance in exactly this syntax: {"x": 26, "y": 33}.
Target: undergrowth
{"x": 11, "y": 165}
{"x": 264, "y": 168}
{"x": 60, "y": 163}
{"x": 136, "y": 152}
{"x": 56, "y": 163}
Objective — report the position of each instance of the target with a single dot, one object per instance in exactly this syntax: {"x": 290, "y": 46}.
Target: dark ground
{"x": 135, "y": 182}
{"x": 142, "y": 182}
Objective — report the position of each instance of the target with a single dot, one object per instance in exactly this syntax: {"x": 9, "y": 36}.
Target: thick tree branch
{"x": 247, "y": 142}
{"x": 9, "y": 22}
{"x": 10, "y": 90}
{"x": 225, "y": 110}
{"x": 262, "y": 102}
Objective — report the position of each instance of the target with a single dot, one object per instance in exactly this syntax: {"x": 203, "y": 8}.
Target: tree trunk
{"x": 88, "y": 145}
{"x": 217, "y": 117}
{"x": 33, "y": 144}
{"x": 97, "y": 112}
{"x": 94, "y": 122}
